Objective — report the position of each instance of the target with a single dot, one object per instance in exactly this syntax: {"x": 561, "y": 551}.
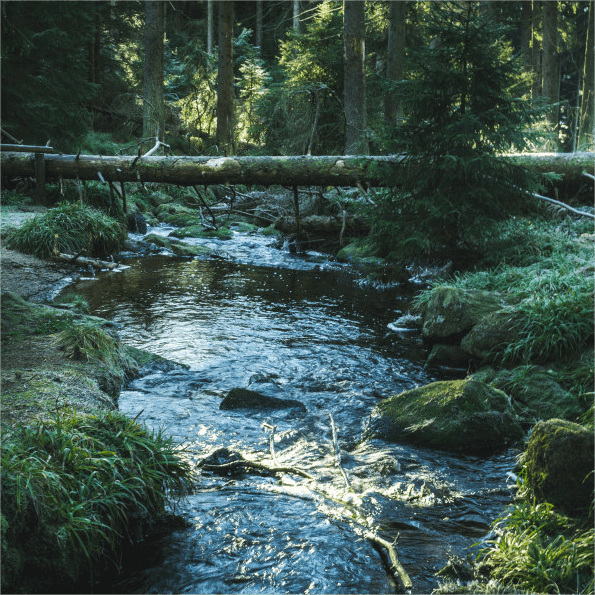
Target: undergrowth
{"x": 538, "y": 550}
{"x": 69, "y": 228}
{"x": 72, "y": 491}
{"x": 547, "y": 271}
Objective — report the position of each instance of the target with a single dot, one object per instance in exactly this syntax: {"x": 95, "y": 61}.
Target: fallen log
{"x": 266, "y": 171}
{"x": 91, "y": 262}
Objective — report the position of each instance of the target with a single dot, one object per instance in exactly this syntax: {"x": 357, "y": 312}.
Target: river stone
{"x": 242, "y": 398}
{"x": 535, "y": 389}
{"x": 559, "y": 464}
{"x": 447, "y": 355}
{"x": 456, "y": 415}
{"x": 494, "y": 330}
{"x": 452, "y": 312}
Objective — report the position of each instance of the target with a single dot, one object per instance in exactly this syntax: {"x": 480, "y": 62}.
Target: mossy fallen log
{"x": 263, "y": 170}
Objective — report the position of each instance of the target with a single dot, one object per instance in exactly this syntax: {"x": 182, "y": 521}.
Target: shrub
{"x": 70, "y": 228}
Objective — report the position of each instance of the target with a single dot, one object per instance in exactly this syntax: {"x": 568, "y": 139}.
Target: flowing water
{"x": 302, "y": 328}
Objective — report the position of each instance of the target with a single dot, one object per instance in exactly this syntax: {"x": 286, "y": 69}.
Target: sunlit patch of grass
{"x": 69, "y": 228}
{"x": 71, "y": 489}
{"x": 540, "y": 551}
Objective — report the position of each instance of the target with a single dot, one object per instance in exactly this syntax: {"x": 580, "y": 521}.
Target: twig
{"x": 561, "y": 204}
{"x": 338, "y": 452}
{"x": 259, "y": 466}
{"x": 158, "y": 144}
{"x": 398, "y": 567}
{"x": 271, "y": 440}
{"x": 589, "y": 175}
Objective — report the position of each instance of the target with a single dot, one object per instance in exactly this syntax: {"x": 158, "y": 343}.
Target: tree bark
{"x": 153, "y": 101}
{"x": 266, "y": 171}
{"x": 225, "y": 119}
{"x": 259, "y": 22}
{"x": 395, "y": 57}
{"x": 210, "y": 20}
{"x": 296, "y": 16}
{"x": 550, "y": 60}
{"x": 536, "y": 50}
{"x": 587, "y": 109}
{"x": 354, "y": 87}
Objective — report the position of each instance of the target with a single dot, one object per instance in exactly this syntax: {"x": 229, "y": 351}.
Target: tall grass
{"x": 540, "y": 551}
{"x": 69, "y": 228}
{"x": 547, "y": 271}
{"x": 71, "y": 490}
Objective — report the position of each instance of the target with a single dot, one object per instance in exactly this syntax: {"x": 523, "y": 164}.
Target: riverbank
{"x": 79, "y": 479}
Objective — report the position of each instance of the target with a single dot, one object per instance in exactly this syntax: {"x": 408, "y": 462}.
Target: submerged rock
{"x": 559, "y": 463}
{"x": 457, "y": 415}
{"x": 242, "y": 398}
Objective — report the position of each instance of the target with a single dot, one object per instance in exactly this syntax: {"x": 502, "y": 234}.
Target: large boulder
{"x": 451, "y": 313}
{"x": 457, "y": 415}
{"x": 559, "y": 464}
{"x": 242, "y": 398}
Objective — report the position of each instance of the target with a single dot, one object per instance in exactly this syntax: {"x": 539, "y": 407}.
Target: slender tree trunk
{"x": 210, "y": 20}
{"x": 587, "y": 109}
{"x": 551, "y": 71}
{"x": 395, "y": 56}
{"x": 525, "y": 26}
{"x": 95, "y": 46}
{"x": 153, "y": 102}
{"x": 536, "y": 49}
{"x": 225, "y": 119}
{"x": 259, "y": 20}
{"x": 296, "y": 15}
{"x": 354, "y": 88}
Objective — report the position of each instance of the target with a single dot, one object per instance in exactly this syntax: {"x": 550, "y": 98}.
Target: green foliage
{"x": 70, "y": 489}
{"x": 75, "y": 301}
{"x": 460, "y": 116}
{"x": 307, "y": 87}
{"x": 540, "y": 551}
{"x": 14, "y": 198}
{"x": 70, "y": 228}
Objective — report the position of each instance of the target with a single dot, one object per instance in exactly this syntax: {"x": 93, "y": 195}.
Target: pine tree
{"x": 460, "y": 117}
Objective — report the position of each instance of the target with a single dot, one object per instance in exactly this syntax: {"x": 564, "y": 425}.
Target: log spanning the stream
{"x": 265, "y": 171}
{"x": 190, "y": 171}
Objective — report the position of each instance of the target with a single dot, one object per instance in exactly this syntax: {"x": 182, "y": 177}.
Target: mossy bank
{"x": 79, "y": 480}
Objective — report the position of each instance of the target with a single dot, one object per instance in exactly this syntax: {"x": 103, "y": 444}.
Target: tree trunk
{"x": 210, "y": 20}
{"x": 587, "y": 120}
{"x": 153, "y": 102}
{"x": 536, "y": 50}
{"x": 395, "y": 56}
{"x": 267, "y": 171}
{"x": 551, "y": 83}
{"x": 354, "y": 87}
{"x": 259, "y": 21}
{"x": 296, "y": 16}
{"x": 225, "y": 119}
{"x": 525, "y": 27}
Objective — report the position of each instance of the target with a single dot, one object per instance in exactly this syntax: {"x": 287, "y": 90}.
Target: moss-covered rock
{"x": 242, "y": 398}
{"x": 196, "y": 231}
{"x": 452, "y": 312}
{"x": 493, "y": 331}
{"x": 559, "y": 464}
{"x": 177, "y": 247}
{"x": 447, "y": 355}
{"x": 534, "y": 387}
{"x": 457, "y": 415}
{"x": 359, "y": 252}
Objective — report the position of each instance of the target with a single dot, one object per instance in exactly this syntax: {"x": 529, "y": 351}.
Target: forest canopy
{"x": 75, "y": 73}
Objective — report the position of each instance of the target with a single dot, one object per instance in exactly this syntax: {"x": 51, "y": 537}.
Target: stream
{"x": 293, "y": 327}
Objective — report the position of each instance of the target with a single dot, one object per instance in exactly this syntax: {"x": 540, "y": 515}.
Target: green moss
{"x": 270, "y": 231}
{"x": 459, "y": 415}
{"x": 359, "y": 252}
{"x": 196, "y": 231}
